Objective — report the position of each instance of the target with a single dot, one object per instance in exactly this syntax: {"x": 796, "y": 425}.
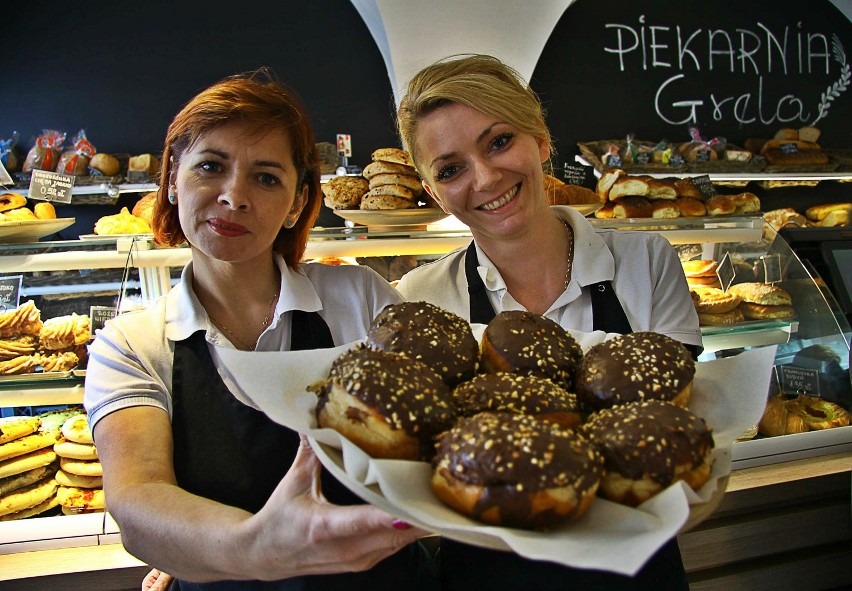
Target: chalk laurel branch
{"x": 833, "y": 91}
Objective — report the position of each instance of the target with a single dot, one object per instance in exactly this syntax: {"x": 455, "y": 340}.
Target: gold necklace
{"x": 266, "y": 320}
{"x": 570, "y": 251}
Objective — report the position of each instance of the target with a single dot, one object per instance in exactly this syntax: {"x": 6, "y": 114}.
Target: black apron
{"x": 231, "y": 453}
{"x": 465, "y": 567}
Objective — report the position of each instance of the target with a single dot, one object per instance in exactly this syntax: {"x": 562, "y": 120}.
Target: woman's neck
{"x": 535, "y": 266}
{"x": 239, "y": 297}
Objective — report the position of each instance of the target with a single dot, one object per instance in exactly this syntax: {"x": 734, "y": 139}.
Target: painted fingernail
{"x": 400, "y": 524}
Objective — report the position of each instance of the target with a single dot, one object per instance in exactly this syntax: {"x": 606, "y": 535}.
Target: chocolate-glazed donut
{"x": 515, "y": 470}
{"x": 523, "y": 342}
{"x": 521, "y": 394}
{"x": 428, "y": 333}
{"x": 635, "y": 366}
{"x": 388, "y": 404}
{"x": 648, "y": 446}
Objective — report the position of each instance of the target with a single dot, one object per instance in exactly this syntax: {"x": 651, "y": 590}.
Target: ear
{"x": 434, "y": 196}
{"x": 298, "y": 204}
{"x": 543, "y": 149}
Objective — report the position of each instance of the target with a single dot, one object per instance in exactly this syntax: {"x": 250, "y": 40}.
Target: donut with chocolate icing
{"x": 515, "y": 470}
{"x": 430, "y": 334}
{"x": 648, "y": 446}
{"x": 526, "y": 343}
{"x": 516, "y": 393}
{"x": 635, "y": 366}
{"x": 388, "y": 404}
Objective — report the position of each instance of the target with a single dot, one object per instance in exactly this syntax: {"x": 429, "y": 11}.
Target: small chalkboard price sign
{"x": 10, "y": 292}
{"x": 98, "y": 315}
{"x": 705, "y": 185}
{"x": 51, "y": 186}
{"x": 579, "y": 174}
{"x": 798, "y": 380}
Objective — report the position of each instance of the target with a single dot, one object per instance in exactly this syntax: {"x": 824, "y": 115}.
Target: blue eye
{"x": 268, "y": 179}
{"x": 446, "y": 172}
{"x": 502, "y": 140}
{"x": 210, "y": 166}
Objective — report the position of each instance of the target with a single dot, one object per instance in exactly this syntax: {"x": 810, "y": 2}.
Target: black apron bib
{"x": 234, "y": 454}
{"x": 465, "y": 567}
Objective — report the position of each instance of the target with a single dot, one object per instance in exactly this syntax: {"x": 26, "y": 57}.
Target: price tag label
{"x": 5, "y": 178}
{"x": 771, "y": 268}
{"x": 10, "y": 292}
{"x": 725, "y": 271}
{"x": 51, "y": 186}
{"x": 798, "y": 380}
{"x": 98, "y": 315}
{"x": 344, "y": 144}
{"x": 579, "y": 174}
{"x": 705, "y": 185}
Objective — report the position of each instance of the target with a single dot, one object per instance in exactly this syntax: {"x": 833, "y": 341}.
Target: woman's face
{"x": 235, "y": 190}
{"x": 483, "y": 170}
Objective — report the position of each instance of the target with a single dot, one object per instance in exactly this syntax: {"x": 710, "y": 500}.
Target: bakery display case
{"x": 67, "y": 276}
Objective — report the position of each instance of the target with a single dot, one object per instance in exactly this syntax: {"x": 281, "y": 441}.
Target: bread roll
{"x": 661, "y": 189}
{"x": 10, "y": 201}
{"x": 690, "y": 207}
{"x": 372, "y": 201}
{"x": 628, "y": 186}
{"x": 818, "y": 213}
{"x": 394, "y": 155}
{"x": 404, "y": 180}
{"x": 720, "y": 205}
{"x": 384, "y": 167}
{"x": 106, "y": 164}
{"x": 568, "y": 194}
{"x": 632, "y": 207}
{"x": 144, "y": 208}
{"x": 344, "y": 192}
{"x": 605, "y": 182}
{"x": 44, "y": 210}
{"x": 663, "y": 209}
{"x": 761, "y": 293}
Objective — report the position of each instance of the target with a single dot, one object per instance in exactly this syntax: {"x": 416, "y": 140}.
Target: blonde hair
{"x": 481, "y": 82}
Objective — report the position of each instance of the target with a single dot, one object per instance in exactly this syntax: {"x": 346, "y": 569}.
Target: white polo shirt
{"x": 643, "y": 267}
{"x": 130, "y": 361}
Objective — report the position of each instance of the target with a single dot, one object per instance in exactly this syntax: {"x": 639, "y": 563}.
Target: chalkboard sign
{"x": 10, "y": 292}
{"x": 705, "y": 185}
{"x": 798, "y": 380}
{"x": 98, "y": 316}
{"x": 579, "y": 174}
{"x": 51, "y": 186}
{"x": 731, "y": 69}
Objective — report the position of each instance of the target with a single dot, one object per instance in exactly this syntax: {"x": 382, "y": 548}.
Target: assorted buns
{"x": 641, "y": 196}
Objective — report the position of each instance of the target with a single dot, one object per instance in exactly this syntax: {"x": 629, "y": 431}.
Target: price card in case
{"x": 98, "y": 315}
{"x": 51, "y": 186}
{"x": 10, "y": 292}
{"x": 344, "y": 144}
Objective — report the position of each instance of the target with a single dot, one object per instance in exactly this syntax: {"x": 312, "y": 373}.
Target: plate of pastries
{"x": 388, "y": 192}
{"x": 21, "y": 223}
{"x": 49, "y": 466}
{"x": 624, "y": 196}
{"x": 518, "y": 435}
{"x": 35, "y": 349}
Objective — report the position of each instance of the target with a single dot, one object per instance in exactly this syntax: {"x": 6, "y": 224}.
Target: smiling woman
{"x": 477, "y": 135}
{"x": 193, "y": 490}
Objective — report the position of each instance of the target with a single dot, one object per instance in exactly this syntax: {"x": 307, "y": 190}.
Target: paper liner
{"x": 730, "y": 394}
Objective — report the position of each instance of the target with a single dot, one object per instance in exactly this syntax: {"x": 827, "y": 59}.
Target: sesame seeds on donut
{"x": 647, "y": 446}
{"x": 515, "y": 470}
{"x": 635, "y": 366}
{"x": 527, "y": 343}
{"x": 381, "y": 400}
{"x": 430, "y": 334}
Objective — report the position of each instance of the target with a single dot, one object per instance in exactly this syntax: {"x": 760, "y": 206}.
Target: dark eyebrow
{"x": 479, "y": 138}
{"x": 224, "y": 156}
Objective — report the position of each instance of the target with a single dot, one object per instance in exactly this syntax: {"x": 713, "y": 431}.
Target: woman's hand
{"x": 300, "y": 533}
{"x": 156, "y": 581}
{"x": 297, "y": 532}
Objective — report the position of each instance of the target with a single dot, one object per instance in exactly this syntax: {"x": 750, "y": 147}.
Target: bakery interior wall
{"x": 121, "y": 70}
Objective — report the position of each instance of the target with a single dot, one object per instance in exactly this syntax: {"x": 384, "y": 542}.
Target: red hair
{"x": 265, "y": 103}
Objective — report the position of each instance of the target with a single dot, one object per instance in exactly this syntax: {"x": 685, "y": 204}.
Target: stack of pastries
{"x": 29, "y": 464}
{"x": 388, "y": 182}
{"x": 521, "y": 429}
{"x": 640, "y": 196}
{"x": 29, "y": 345}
